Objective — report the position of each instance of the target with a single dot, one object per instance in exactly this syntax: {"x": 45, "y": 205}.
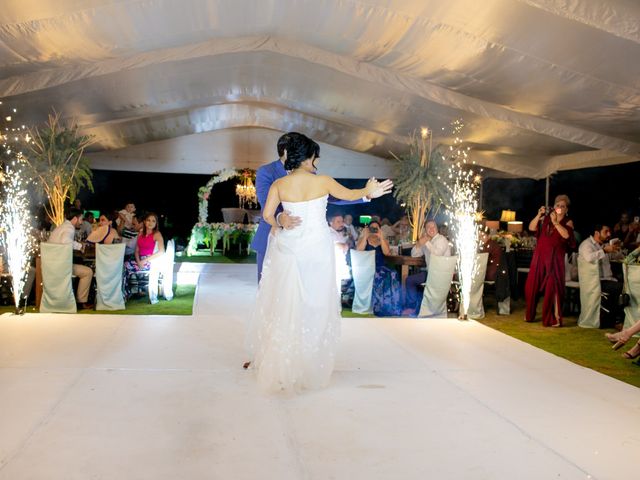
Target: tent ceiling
{"x": 541, "y": 85}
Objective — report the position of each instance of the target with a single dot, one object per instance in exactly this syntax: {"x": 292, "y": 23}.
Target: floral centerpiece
{"x": 507, "y": 240}
{"x": 230, "y": 233}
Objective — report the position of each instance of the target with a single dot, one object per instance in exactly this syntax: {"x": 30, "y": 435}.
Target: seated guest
{"x": 341, "y": 242}
{"x": 387, "y": 229}
{"x": 632, "y": 239}
{"x": 402, "y": 228}
{"x": 595, "y": 249}
{"x": 149, "y": 247}
{"x": 351, "y": 231}
{"x": 494, "y": 250}
{"x": 444, "y": 231}
{"x": 386, "y": 286}
{"x": 622, "y": 337}
{"x": 87, "y": 225}
{"x": 130, "y": 236}
{"x": 430, "y": 243}
{"x": 106, "y": 233}
{"x": 64, "y": 234}
{"x": 126, "y": 216}
{"x": 621, "y": 229}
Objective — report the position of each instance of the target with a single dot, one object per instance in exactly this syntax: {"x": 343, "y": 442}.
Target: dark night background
{"x": 597, "y": 195}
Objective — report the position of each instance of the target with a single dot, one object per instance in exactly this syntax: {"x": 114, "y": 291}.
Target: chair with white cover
{"x": 233, "y": 215}
{"x": 161, "y": 271}
{"x": 109, "y": 266}
{"x": 363, "y": 269}
{"x": 57, "y": 290}
{"x": 167, "y": 270}
{"x": 476, "y": 305}
{"x": 590, "y": 291}
{"x": 632, "y": 286}
{"x": 436, "y": 289}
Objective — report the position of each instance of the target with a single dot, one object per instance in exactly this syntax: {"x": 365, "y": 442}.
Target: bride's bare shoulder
{"x": 324, "y": 178}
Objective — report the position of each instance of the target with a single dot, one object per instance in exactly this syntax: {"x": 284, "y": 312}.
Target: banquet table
{"x": 405, "y": 261}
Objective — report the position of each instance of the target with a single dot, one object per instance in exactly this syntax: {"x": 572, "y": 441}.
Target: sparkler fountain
{"x": 463, "y": 185}
{"x": 15, "y": 218}
{"x": 15, "y": 231}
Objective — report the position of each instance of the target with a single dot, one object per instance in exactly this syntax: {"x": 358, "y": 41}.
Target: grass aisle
{"x": 182, "y": 304}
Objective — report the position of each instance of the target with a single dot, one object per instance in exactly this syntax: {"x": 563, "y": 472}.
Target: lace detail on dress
{"x": 295, "y": 327}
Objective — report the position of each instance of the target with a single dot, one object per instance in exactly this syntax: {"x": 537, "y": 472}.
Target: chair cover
{"x": 167, "y": 270}
{"x": 57, "y": 291}
{"x": 363, "y": 268}
{"x": 233, "y": 215}
{"x": 589, "y": 279}
{"x": 632, "y": 286}
{"x": 504, "y": 306}
{"x": 109, "y": 266}
{"x": 476, "y": 305}
{"x": 436, "y": 290}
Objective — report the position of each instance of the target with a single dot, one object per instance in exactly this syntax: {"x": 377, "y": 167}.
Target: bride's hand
{"x": 372, "y": 186}
{"x": 382, "y": 188}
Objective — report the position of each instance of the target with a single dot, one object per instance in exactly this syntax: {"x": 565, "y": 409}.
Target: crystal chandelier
{"x": 246, "y": 191}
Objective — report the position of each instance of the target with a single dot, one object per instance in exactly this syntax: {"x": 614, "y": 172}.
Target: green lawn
{"x": 182, "y": 304}
{"x": 584, "y": 346}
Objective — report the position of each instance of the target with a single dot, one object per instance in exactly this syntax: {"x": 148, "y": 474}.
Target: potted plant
{"x": 419, "y": 181}
{"x": 54, "y": 157}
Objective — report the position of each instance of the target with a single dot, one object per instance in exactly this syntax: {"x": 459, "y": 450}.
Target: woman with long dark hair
{"x": 149, "y": 249}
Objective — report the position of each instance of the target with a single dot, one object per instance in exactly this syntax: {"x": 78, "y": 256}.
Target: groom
{"x": 269, "y": 173}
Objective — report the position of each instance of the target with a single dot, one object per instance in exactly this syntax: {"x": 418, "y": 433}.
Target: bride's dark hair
{"x": 299, "y": 149}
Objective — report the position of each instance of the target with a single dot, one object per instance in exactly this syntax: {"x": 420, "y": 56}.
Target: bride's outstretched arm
{"x": 271, "y": 205}
{"x": 338, "y": 191}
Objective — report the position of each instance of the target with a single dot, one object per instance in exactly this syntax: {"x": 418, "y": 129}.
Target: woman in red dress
{"x": 554, "y": 232}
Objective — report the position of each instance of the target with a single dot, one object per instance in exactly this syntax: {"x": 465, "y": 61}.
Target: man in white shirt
{"x": 596, "y": 249}
{"x": 431, "y": 243}
{"x": 341, "y": 241}
{"x": 352, "y": 233}
{"x": 64, "y": 234}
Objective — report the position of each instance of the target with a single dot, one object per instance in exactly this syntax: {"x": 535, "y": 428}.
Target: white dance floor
{"x": 137, "y": 397}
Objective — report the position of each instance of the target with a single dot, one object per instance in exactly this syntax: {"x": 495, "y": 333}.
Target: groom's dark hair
{"x": 283, "y": 141}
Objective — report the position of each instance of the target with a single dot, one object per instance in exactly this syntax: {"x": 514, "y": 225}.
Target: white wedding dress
{"x": 295, "y": 327}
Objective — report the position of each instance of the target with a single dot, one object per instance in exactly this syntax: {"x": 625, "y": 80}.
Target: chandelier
{"x": 246, "y": 191}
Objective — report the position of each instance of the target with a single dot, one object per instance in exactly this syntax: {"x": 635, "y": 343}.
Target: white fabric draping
{"x": 542, "y": 85}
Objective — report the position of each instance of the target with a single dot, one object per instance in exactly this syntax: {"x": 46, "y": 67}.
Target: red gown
{"x": 546, "y": 273}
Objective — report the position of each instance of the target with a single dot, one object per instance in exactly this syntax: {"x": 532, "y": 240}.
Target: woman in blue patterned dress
{"x": 386, "y": 285}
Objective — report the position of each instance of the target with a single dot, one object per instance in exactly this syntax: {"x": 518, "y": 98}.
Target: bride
{"x": 296, "y": 323}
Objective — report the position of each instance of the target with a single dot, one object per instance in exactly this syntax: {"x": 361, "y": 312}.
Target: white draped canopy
{"x": 197, "y": 85}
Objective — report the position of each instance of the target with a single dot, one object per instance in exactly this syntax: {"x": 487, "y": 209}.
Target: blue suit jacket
{"x": 265, "y": 176}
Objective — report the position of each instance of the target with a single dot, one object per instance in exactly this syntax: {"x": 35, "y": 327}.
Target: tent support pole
{"x": 546, "y": 192}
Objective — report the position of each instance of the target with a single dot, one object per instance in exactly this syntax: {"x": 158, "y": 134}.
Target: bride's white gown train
{"x": 295, "y": 327}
